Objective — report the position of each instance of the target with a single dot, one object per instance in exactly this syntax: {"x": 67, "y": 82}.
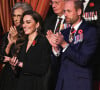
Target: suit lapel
{"x": 66, "y": 33}
{"x": 53, "y": 23}
{"x": 79, "y": 35}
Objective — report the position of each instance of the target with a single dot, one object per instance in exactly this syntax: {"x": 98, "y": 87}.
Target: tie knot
{"x": 60, "y": 19}
{"x": 73, "y": 30}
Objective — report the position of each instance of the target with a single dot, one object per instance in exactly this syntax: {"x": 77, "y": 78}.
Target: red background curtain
{"x": 41, "y": 6}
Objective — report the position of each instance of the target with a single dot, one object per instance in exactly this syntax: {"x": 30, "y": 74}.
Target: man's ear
{"x": 79, "y": 12}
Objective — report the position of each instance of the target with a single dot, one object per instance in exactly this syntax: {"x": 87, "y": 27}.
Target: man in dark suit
{"x": 51, "y": 22}
{"x": 92, "y": 15}
{"x": 91, "y": 11}
{"x": 77, "y": 49}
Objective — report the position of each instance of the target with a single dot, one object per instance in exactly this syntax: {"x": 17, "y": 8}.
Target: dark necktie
{"x": 72, "y": 34}
{"x": 58, "y": 25}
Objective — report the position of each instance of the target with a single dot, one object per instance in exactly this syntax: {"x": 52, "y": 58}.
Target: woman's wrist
{"x": 10, "y": 43}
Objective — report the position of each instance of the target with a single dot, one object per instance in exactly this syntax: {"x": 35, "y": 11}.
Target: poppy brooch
{"x": 80, "y": 31}
{"x": 91, "y": 4}
{"x": 34, "y": 43}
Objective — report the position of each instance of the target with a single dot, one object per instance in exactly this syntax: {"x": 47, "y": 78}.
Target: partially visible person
{"x": 77, "y": 49}
{"x": 34, "y": 55}
{"x": 1, "y": 34}
{"x": 92, "y": 15}
{"x": 17, "y": 12}
{"x": 51, "y": 23}
{"x": 56, "y": 23}
{"x": 7, "y": 49}
{"x": 91, "y": 11}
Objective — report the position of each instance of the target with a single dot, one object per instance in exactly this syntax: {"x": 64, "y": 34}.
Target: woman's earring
{"x": 36, "y": 30}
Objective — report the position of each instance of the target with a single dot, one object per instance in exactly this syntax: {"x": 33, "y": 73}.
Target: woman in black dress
{"x": 34, "y": 55}
{"x": 8, "y": 75}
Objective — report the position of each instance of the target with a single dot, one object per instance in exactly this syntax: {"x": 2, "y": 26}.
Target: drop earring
{"x": 36, "y": 30}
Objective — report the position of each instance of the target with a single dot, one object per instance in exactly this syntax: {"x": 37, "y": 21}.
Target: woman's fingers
{"x": 14, "y": 61}
{"x": 6, "y": 59}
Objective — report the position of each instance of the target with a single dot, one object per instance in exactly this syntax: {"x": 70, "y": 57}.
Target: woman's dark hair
{"x": 36, "y": 17}
{"x": 20, "y": 40}
{"x": 21, "y": 37}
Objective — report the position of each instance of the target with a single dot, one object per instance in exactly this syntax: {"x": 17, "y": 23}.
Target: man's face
{"x": 58, "y": 7}
{"x": 71, "y": 14}
{"x": 17, "y": 16}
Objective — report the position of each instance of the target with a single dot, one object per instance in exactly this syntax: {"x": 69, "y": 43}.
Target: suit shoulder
{"x": 91, "y": 26}
{"x": 86, "y": 25}
{"x": 90, "y": 29}
{"x": 53, "y": 17}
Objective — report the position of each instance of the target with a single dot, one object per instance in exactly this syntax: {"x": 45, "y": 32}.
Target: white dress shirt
{"x": 62, "y": 21}
{"x": 85, "y": 4}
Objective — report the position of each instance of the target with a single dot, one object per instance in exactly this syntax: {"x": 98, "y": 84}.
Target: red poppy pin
{"x": 80, "y": 31}
{"x": 91, "y": 4}
{"x": 34, "y": 42}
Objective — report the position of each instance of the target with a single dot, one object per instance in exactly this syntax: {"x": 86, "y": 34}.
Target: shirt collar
{"x": 63, "y": 17}
{"x": 77, "y": 26}
{"x": 85, "y": 4}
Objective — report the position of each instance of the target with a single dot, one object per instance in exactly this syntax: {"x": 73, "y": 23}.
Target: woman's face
{"x": 29, "y": 24}
{"x": 17, "y": 16}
